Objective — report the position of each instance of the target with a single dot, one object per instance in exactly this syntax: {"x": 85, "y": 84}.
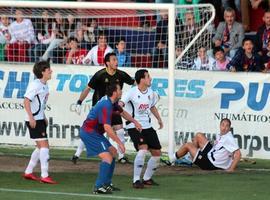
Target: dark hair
{"x": 247, "y": 39}
{"x": 119, "y": 40}
{"x": 101, "y": 33}
{"x": 111, "y": 88}
{"x": 217, "y": 49}
{"x": 107, "y": 57}
{"x": 40, "y": 67}
{"x": 226, "y": 119}
{"x": 72, "y": 39}
{"x": 140, "y": 74}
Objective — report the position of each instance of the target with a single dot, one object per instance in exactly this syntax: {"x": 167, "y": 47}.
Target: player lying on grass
{"x": 223, "y": 154}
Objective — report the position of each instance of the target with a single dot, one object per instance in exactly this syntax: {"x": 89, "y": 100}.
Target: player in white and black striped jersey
{"x": 223, "y": 154}
{"x": 35, "y": 99}
{"x": 140, "y": 102}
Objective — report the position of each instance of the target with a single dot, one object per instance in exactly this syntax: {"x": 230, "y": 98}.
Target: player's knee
{"x": 143, "y": 147}
{"x": 108, "y": 159}
{"x": 156, "y": 153}
{"x": 198, "y": 137}
{"x": 188, "y": 145}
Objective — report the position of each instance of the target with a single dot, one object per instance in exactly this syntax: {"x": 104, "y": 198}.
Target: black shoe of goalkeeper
{"x": 74, "y": 159}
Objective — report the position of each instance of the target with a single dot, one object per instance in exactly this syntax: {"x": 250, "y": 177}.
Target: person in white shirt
{"x": 97, "y": 54}
{"x": 224, "y": 154}
{"x": 203, "y": 61}
{"x": 35, "y": 99}
{"x": 22, "y": 37}
{"x": 140, "y": 102}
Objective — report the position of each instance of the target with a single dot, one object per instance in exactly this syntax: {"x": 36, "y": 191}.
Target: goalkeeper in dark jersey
{"x": 99, "y": 82}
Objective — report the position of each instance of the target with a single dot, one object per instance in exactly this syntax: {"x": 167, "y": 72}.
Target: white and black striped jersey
{"x": 221, "y": 155}
{"x": 37, "y": 93}
{"x": 138, "y": 105}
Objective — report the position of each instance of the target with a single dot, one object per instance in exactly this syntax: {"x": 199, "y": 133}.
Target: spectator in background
{"x": 266, "y": 58}
{"x": 160, "y": 52}
{"x": 246, "y": 60}
{"x": 59, "y": 35}
{"x": 22, "y": 36}
{"x": 43, "y": 27}
{"x": 90, "y": 31}
{"x": 263, "y": 35}
{"x": 203, "y": 61}
{"x": 4, "y": 35}
{"x": 229, "y": 34}
{"x": 74, "y": 55}
{"x": 218, "y": 7}
{"x": 70, "y": 26}
{"x": 97, "y": 53}
{"x": 184, "y": 36}
{"x": 58, "y": 54}
{"x": 82, "y": 43}
{"x": 221, "y": 59}
{"x": 183, "y": 11}
{"x": 251, "y": 12}
{"x": 123, "y": 57}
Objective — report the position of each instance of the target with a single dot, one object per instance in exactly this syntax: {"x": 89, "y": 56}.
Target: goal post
{"x": 119, "y": 20}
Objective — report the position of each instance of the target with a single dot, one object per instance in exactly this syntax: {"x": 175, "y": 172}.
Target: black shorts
{"x": 147, "y": 136}
{"x": 39, "y": 132}
{"x": 202, "y": 160}
{"x": 116, "y": 119}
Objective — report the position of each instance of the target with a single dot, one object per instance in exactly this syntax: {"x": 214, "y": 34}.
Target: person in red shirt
{"x": 75, "y": 54}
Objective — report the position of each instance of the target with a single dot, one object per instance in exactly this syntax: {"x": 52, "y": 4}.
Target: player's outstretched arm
{"x": 155, "y": 112}
{"x": 128, "y": 117}
{"x": 236, "y": 159}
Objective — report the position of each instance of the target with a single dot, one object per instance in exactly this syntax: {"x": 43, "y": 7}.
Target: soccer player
{"x": 99, "y": 82}
{"x": 223, "y": 154}
{"x": 35, "y": 100}
{"x": 140, "y": 101}
{"x": 98, "y": 122}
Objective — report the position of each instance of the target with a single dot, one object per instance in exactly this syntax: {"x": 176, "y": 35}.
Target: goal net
{"x": 161, "y": 37}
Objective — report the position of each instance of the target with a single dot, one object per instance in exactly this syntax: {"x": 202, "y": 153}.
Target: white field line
{"x": 75, "y": 194}
{"x": 258, "y": 170}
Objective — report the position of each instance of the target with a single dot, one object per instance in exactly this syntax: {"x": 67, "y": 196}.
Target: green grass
{"x": 236, "y": 186}
{"x": 246, "y": 185}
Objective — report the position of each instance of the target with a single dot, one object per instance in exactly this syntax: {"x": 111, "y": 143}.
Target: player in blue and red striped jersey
{"x": 98, "y": 122}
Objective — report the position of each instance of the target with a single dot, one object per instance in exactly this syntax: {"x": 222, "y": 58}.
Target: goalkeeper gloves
{"x": 78, "y": 107}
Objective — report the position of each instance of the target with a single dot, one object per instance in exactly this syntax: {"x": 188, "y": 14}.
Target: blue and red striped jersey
{"x": 100, "y": 114}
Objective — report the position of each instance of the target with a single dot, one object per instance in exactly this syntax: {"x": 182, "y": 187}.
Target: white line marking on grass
{"x": 74, "y": 194}
{"x": 259, "y": 170}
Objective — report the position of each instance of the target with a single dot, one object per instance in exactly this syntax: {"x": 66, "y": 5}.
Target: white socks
{"x": 33, "y": 161}
{"x": 138, "y": 165}
{"x": 121, "y": 135}
{"x": 152, "y": 165}
{"x": 80, "y": 149}
{"x": 44, "y": 161}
